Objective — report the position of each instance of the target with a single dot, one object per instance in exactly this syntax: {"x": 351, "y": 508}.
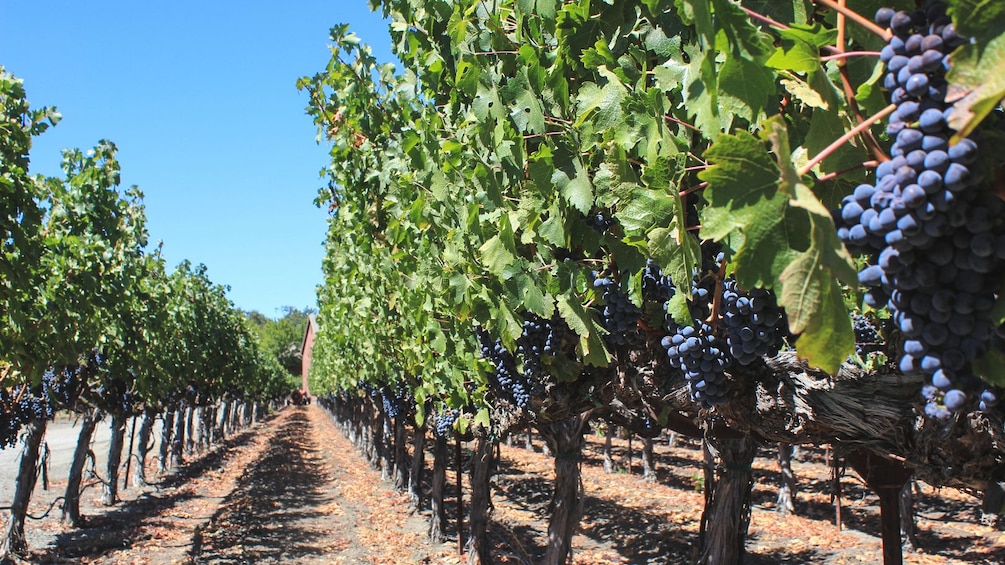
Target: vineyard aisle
{"x": 292, "y": 490}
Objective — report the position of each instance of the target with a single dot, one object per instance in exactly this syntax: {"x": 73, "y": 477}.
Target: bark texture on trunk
{"x": 71, "y": 498}
{"x": 14, "y": 542}
{"x": 566, "y": 439}
{"x": 886, "y": 478}
{"x": 143, "y": 446}
{"x": 479, "y": 548}
{"x": 190, "y": 430}
{"x": 400, "y": 456}
{"x": 221, "y": 426}
{"x": 110, "y": 493}
{"x": 727, "y": 518}
{"x": 418, "y": 466}
{"x": 608, "y": 458}
{"x": 167, "y": 432}
{"x": 785, "y": 504}
{"x": 648, "y": 463}
{"x": 178, "y": 442}
{"x": 438, "y": 512}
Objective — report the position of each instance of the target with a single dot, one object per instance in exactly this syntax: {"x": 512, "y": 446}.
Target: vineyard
{"x": 759, "y": 228}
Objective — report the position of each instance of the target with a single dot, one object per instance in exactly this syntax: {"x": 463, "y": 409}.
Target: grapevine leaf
{"x": 572, "y": 180}
{"x": 804, "y": 93}
{"x": 800, "y": 48}
{"x": 483, "y": 419}
{"x": 991, "y": 367}
{"x": 678, "y": 252}
{"x": 582, "y": 323}
{"x": 601, "y": 104}
{"x": 678, "y": 309}
{"x": 976, "y": 83}
{"x": 497, "y": 255}
{"x": 745, "y": 87}
{"x": 645, "y": 209}
{"x": 816, "y": 310}
{"x": 981, "y": 19}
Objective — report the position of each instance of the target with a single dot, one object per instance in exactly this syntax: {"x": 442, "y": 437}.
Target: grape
{"x": 505, "y": 378}
{"x": 620, "y": 317}
{"x": 444, "y": 423}
{"x": 755, "y": 325}
{"x": 930, "y": 234}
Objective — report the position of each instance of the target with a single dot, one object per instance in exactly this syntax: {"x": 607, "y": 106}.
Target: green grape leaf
{"x": 745, "y": 87}
{"x": 789, "y": 238}
{"x": 976, "y": 83}
{"x": 572, "y": 180}
{"x": 601, "y": 104}
{"x": 991, "y": 367}
{"x": 590, "y": 344}
{"x": 645, "y": 209}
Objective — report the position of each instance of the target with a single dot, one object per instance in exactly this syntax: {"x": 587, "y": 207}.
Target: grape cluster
{"x": 752, "y": 326}
{"x": 396, "y": 399}
{"x": 540, "y": 337}
{"x": 63, "y": 386}
{"x": 700, "y": 355}
{"x": 933, "y": 238}
{"x": 867, "y": 336}
{"x": 444, "y": 423}
{"x": 19, "y": 408}
{"x": 620, "y": 317}
{"x": 600, "y": 221}
{"x": 755, "y": 325}
{"x": 656, "y": 285}
{"x": 504, "y": 377}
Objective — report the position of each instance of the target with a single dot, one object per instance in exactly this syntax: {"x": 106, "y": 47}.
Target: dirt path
{"x": 270, "y": 494}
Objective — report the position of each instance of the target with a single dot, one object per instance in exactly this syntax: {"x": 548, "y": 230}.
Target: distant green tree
{"x": 284, "y": 336}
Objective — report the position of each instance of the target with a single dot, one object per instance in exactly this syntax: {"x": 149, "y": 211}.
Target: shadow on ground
{"x": 268, "y": 520}
{"x": 120, "y": 528}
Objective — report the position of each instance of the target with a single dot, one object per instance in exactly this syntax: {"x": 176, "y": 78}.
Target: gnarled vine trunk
{"x": 14, "y": 542}
{"x": 400, "y": 455}
{"x": 167, "y": 432}
{"x": 143, "y": 446}
{"x": 727, "y": 515}
{"x": 565, "y": 438}
{"x": 785, "y": 504}
{"x": 110, "y": 493}
{"x": 71, "y": 498}
{"x": 886, "y": 478}
{"x": 418, "y": 465}
{"x": 438, "y": 512}
{"x": 479, "y": 549}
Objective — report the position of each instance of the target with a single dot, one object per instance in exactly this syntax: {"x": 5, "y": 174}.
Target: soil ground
{"x": 292, "y": 489}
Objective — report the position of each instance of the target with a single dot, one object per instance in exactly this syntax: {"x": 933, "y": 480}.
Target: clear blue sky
{"x": 200, "y": 99}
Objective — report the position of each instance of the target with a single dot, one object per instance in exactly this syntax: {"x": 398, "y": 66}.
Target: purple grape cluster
{"x": 19, "y": 408}
{"x": 444, "y": 423}
{"x": 619, "y": 317}
{"x": 505, "y": 379}
{"x": 656, "y": 285}
{"x": 933, "y": 237}
{"x": 62, "y": 386}
{"x": 755, "y": 325}
{"x": 867, "y": 336}
{"x": 702, "y": 357}
{"x": 540, "y": 337}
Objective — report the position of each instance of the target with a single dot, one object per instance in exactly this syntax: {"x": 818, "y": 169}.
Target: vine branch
{"x": 844, "y": 138}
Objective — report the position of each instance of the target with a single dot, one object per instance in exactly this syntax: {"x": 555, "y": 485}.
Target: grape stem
{"x": 805, "y": 169}
{"x": 847, "y": 54}
{"x": 865, "y": 165}
{"x": 857, "y": 18}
